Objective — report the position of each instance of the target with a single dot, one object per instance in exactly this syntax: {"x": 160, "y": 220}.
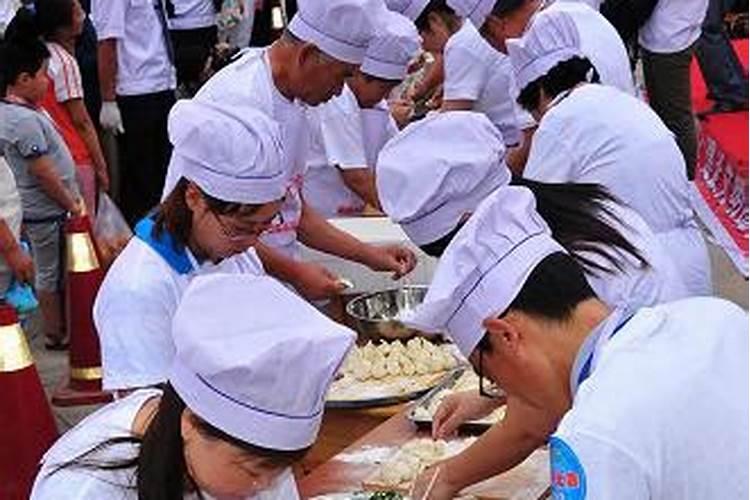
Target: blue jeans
{"x": 722, "y": 70}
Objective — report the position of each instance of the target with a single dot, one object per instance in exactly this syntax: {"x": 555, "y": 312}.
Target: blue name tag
{"x": 567, "y": 475}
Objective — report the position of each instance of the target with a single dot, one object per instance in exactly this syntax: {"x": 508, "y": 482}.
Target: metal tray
{"x": 471, "y": 428}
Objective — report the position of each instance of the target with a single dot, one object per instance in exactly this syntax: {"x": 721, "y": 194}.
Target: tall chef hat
{"x": 409, "y": 8}
{"x": 474, "y": 10}
{"x": 235, "y": 158}
{"x": 232, "y": 363}
{"x": 484, "y": 267}
{"x": 551, "y": 39}
{"x": 340, "y": 28}
{"x": 437, "y": 170}
{"x": 395, "y": 43}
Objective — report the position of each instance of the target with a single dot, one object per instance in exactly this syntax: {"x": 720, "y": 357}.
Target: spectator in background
{"x": 59, "y": 23}
{"x": 137, "y": 79}
{"x": 86, "y": 57}
{"x": 722, "y": 70}
{"x": 668, "y": 42}
{"x": 192, "y": 27}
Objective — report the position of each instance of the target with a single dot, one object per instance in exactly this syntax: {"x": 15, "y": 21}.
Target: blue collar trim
{"x": 165, "y": 245}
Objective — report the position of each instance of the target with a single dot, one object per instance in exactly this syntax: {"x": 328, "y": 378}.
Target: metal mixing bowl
{"x": 375, "y": 313}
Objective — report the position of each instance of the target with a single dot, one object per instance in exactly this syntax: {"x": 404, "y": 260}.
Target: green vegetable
{"x": 386, "y": 495}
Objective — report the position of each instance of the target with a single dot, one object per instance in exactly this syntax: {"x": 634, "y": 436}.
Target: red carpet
{"x": 722, "y": 170}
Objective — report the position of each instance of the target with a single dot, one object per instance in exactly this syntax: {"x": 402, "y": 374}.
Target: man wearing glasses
{"x": 644, "y": 404}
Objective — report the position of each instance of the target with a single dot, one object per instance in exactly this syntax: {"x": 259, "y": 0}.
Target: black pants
{"x": 191, "y": 51}
{"x": 144, "y": 151}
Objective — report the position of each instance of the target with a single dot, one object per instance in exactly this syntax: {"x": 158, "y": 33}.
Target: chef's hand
{"x": 20, "y": 264}
{"x": 398, "y": 259}
{"x": 427, "y": 486}
{"x": 316, "y": 282}
{"x": 110, "y": 118}
{"x": 402, "y": 110}
{"x": 459, "y": 408}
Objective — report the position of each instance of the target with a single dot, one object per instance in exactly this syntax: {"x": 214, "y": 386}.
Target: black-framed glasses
{"x": 487, "y": 388}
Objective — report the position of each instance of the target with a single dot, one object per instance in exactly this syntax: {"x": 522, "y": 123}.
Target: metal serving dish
{"x": 375, "y": 314}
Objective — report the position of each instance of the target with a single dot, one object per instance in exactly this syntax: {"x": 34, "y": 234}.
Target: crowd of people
{"x": 510, "y": 139}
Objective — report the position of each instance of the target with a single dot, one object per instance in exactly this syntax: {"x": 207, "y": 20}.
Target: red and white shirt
{"x": 65, "y": 85}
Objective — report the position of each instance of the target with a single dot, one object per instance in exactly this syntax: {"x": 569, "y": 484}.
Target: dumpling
{"x": 407, "y": 366}
{"x": 393, "y": 366}
{"x": 379, "y": 369}
{"x": 362, "y": 369}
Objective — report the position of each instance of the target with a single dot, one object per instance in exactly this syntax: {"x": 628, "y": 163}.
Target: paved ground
{"x": 52, "y": 366}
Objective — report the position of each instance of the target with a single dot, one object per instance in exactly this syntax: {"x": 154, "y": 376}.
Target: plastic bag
{"x": 111, "y": 231}
{"x": 20, "y": 295}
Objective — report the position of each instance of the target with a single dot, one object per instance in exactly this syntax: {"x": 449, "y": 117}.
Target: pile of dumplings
{"x": 395, "y": 359}
{"x": 412, "y": 459}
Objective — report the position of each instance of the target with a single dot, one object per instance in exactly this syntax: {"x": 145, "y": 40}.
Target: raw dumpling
{"x": 362, "y": 369}
{"x": 379, "y": 369}
{"x": 393, "y": 366}
{"x": 407, "y": 366}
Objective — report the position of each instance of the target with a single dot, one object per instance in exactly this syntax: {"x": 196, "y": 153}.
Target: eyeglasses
{"x": 234, "y": 236}
{"x": 487, "y": 388}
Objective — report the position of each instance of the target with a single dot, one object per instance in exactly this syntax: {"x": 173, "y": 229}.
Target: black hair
{"x": 579, "y": 216}
{"x": 159, "y": 464}
{"x": 442, "y": 9}
{"x": 175, "y": 217}
{"x": 503, "y": 7}
{"x": 551, "y": 292}
{"x": 372, "y": 78}
{"x": 563, "y": 76}
{"x": 21, "y": 51}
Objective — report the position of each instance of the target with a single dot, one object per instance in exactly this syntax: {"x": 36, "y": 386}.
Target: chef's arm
{"x": 433, "y": 77}
{"x": 517, "y": 157}
{"x": 502, "y": 447}
{"x": 362, "y": 182}
{"x": 107, "y": 61}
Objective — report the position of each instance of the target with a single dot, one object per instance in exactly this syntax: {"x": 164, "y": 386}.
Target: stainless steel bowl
{"x": 375, "y": 314}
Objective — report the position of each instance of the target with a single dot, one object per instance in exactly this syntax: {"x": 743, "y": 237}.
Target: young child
{"x": 42, "y": 166}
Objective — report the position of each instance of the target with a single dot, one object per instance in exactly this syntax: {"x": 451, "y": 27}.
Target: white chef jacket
{"x": 247, "y": 83}
{"x": 192, "y": 14}
{"x": 601, "y": 43}
{"x": 664, "y": 412}
{"x": 631, "y": 152}
{"x": 111, "y": 421}
{"x": 134, "y": 308}
{"x": 636, "y": 286}
{"x": 476, "y": 72}
{"x": 343, "y": 137}
{"x": 143, "y": 65}
{"x": 10, "y": 213}
{"x": 674, "y": 25}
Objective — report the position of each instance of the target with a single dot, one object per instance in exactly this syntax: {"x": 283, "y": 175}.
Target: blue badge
{"x": 567, "y": 476}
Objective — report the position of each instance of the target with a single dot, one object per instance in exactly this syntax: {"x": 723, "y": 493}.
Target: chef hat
{"x": 439, "y": 169}
{"x": 232, "y": 158}
{"x": 484, "y": 267}
{"x": 409, "y": 8}
{"x": 395, "y": 43}
{"x": 551, "y": 39}
{"x": 474, "y": 10}
{"x": 340, "y": 28}
{"x": 232, "y": 362}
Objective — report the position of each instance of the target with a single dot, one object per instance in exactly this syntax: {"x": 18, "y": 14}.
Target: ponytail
{"x": 578, "y": 216}
{"x": 562, "y": 77}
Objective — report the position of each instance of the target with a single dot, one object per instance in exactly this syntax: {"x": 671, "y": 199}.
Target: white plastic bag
{"x": 111, "y": 230}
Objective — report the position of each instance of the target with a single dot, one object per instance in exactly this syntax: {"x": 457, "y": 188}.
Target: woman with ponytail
{"x": 59, "y": 23}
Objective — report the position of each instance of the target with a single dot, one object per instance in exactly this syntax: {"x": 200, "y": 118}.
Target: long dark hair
{"x": 175, "y": 217}
{"x": 563, "y": 76}
{"x": 578, "y": 215}
{"x": 159, "y": 464}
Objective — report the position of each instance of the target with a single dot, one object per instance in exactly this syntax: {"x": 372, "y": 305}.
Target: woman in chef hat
{"x": 230, "y": 421}
{"x": 231, "y": 186}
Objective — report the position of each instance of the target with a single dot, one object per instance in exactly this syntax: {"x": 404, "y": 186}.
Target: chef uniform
{"x": 339, "y": 28}
{"x": 599, "y": 39}
{"x": 345, "y": 136}
{"x": 433, "y": 174}
{"x": 660, "y": 404}
{"x": 229, "y": 159}
{"x": 227, "y": 372}
{"x": 627, "y": 149}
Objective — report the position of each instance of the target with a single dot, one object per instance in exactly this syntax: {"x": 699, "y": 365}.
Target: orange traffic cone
{"x": 27, "y": 428}
{"x": 83, "y": 277}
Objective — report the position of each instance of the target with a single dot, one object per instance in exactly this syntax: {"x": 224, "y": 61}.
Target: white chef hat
{"x": 340, "y": 28}
{"x": 439, "y": 169}
{"x": 409, "y": 8}
{"x": 254, "y": 360}
{"x": 485, "y": 267}
{"x": 394, "y": 45}
{"x": 551, "y": 39}
{"x": 474, "y": 10}
{"x": 232, "y": 158}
